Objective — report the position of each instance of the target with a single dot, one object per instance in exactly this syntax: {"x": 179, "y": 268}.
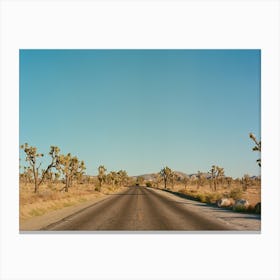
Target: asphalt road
{"x": 138, "y": 208}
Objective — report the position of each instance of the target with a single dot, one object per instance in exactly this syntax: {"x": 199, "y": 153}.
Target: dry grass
{"x": 206, "y": 195}
{"x": 50, "y": 197}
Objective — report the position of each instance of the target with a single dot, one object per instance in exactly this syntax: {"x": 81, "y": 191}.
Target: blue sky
{"x": 141, "y": 110}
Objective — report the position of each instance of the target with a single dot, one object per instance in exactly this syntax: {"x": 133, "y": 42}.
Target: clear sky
{"x": 141, "y": 110}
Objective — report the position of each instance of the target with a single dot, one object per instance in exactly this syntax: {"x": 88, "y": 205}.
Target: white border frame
{"x": 139, "y": 24}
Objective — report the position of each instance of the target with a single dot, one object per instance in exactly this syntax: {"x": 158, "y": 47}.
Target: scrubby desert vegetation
{"x": 210, "y": 187}
{"x": 213, "y": 186}
{"x": 51, "y": 196}
{"x": 62, "y": 183}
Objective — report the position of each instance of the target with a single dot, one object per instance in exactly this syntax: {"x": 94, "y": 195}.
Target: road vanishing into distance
{"x": 141, "y": 209}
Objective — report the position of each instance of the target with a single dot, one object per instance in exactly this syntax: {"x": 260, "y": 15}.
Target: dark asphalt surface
{"x": 138, "y": 208}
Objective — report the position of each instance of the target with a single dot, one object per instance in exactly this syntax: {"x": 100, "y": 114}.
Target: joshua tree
{"x": 70, "y": 167}
{"x": 166, "y": 174}
{"x": 54, "y": 153}
{"x": 220, "y": 174}
{"x": 229, "y": 181}
{"x": 246, "y": 182}
{"x": 140, "y": 180}
{"x": 213, "y": 181}
{"x": 257, "y": 148}
{"x": 185, "y": 181}
{"x": 32, "y": 156}
{"x": 117, "y": 178}
{"x": 173, "y": 178}
{"x": 111, "y": 178}
{"x": 200, "y": 179}
{"x": 101, "y": 175}
{"x": 122, "y": 176}
{"x": 156, "y": 179}
{"x": 27, "y": 175}
{"x": 217, "y": 174}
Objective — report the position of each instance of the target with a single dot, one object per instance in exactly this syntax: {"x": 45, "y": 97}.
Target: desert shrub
{"x": 236, "y": 193}
{"x": 213, "y": 197}
{"x": 240, "y": 208}
{"x": 257, "y": 208}
{"x": 149, "y": 184}
{"x": 251, "y": 209}
{"x": 182, "y": 191}
{"x": 201, "y": 197}
{"x": 208, "y": 198}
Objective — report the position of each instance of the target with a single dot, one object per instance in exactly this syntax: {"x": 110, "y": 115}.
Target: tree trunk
{"x": 100, "y": 183}
{"x": 215, "y": 185}
{"x": 66, "y": 183}
{"x": 35, "y": 179}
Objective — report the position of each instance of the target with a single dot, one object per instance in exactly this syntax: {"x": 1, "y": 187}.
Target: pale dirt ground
{"x": 237, "y": 221}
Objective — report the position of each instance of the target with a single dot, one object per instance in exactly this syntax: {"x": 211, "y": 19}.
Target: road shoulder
{"x": 237, "y": 221}
{"x": 36, "y": 223}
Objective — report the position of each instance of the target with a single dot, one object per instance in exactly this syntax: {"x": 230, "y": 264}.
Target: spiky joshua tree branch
{"x": 256, "y": 148}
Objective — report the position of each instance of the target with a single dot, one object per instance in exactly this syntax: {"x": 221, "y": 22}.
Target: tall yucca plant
{"x": 166, "y": 174}
{"x": 256, "y": 148}
{"x": 70, "y": 167}
{"x": 217, "y": 174}
{"x": 32, "y": 156}
{"x": 101, "y": 175}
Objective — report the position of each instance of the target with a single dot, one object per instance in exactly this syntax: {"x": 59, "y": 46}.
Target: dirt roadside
{"x": 36, "y": 223}
{"x": 238, "y": 221}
